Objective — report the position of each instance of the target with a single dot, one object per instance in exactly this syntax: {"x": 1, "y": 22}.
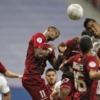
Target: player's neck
{"x": 89, "y": 53}
{"x": 46, "y": 36}
{"x": 51, "y": 86}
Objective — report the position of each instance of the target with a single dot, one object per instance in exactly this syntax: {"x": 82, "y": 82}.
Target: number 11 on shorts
{"x": 43, "y": 95}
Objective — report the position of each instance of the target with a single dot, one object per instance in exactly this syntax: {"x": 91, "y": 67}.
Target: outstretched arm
{"x": 12, "y": 75}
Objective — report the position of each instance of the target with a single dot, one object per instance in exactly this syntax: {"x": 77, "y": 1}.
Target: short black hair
{"x": 88, "y": 20}
{"x": 85, "y": 32}
{"x": 85, "y": 44}
{"x": 50, "y": 69}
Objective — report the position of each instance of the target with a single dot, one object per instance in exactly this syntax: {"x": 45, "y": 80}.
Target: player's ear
{"x": 48, "y": 29}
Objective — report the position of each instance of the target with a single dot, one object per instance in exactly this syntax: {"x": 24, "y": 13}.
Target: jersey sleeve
{"x": 38, "y": 40}
{"x": 92, "y": 64}
{"x": 2, "y": 68}
{"x": 4, "y": 85}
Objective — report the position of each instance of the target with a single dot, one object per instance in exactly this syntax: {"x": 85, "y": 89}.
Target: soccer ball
{"x": 75, "y": 11}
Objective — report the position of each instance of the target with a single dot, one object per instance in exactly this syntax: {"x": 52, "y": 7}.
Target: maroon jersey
{"x": 49, "y": 89}
{"x": 33, "y": 65}
{"x": 72, "y": 49}
{"x": 2, "y": 68}
{"x": 85, "y": 88}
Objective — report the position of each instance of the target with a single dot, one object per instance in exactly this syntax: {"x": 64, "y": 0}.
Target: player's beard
{"x": 51, "y": 84}
{"x": 50, "y": 39}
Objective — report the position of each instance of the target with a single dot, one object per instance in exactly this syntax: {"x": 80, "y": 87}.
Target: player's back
{"x": 85, "y": 88}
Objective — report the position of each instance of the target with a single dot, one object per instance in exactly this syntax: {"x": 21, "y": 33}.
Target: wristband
{"x": 50, "y": 49}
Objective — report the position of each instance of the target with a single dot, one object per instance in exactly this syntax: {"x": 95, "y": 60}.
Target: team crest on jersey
{"x": 39, "y": 40}
{"x": 92, "y": 64}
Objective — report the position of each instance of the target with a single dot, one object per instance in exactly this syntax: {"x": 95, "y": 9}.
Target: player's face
{"x": 53, "y": 34}
{"x": 51, "y": 77}
{"x": 94, "y": 29}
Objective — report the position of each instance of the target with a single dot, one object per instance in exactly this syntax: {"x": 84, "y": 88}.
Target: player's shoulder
{"x": 38, "y": 34}
{"x": 69, "y": 41}
{"x": 77, "y": 56}
{"x": 92, "y": 60}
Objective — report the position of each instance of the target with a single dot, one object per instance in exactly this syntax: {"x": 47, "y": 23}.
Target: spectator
{"x": 51, "y": 77}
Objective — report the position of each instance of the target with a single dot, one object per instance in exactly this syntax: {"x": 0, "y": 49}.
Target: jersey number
{"x": 42, "y": 93}
{"x": 80, "y": 85}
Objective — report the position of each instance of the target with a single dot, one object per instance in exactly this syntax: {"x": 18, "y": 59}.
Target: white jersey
{"x": 57, "y": 87}
{"x": 4, "y": 88}
{"x": 96, "y": 46}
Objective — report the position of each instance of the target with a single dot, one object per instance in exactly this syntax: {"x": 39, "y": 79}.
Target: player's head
{"x": 52, "y": 33}
{"x": 51, "y": 76}
{"x": 85, "y": 32}
{"x": 92, "y": 26}
{"x": 85, "y": 44}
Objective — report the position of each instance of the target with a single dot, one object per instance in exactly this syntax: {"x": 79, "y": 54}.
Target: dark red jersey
{"x": 49, "y": 89}
{"x": 85, "y": 88}
{"x": 33, "y": 65}
{"x": 72, "y": 49}
{"x": 2, "y": 68}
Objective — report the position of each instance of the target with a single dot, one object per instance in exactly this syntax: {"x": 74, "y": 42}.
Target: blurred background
{"x": 20, "y": 19}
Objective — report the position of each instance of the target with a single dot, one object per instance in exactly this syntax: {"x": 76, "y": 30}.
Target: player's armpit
{"x": 7, "y": 96}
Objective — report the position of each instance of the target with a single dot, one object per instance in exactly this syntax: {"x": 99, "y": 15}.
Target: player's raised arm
{"x": 40, "y": 52}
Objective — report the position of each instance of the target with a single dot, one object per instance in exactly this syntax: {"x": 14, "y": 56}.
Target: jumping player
{"x": 85, "y": 67}
{"x": 37, "y": 54}
{"x": 94, "y": 29}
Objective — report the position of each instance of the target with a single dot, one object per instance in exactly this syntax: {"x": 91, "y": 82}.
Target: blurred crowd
{"x": 96, "y": 3}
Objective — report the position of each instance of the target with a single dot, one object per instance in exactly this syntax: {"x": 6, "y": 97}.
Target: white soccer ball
{"x": 75, "y": 11}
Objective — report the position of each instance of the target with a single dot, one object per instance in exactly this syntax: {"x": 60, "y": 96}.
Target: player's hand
{"x": 20, "y": 76}
{"x": 62, "y": 47}
{"x": 52, "y": 46}
{"x": 75, "y": 39}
